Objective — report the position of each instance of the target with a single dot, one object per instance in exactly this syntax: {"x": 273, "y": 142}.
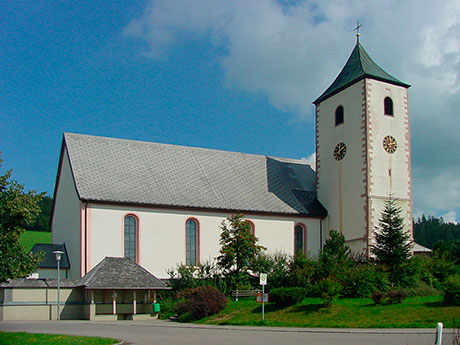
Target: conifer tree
{"x": 392, "y": 243}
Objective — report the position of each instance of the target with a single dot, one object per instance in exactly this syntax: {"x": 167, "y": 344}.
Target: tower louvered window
{"x": 339, "y": 115}
{"x": 388, "y": 104}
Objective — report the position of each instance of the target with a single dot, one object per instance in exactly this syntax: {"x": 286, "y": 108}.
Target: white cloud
{"x": 450, "y": 217}
{"x": 291, "y": 53}
{"x": 310, "y": 159}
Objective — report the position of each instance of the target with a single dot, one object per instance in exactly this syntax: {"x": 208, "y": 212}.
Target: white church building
{"x": 161, "y": 205}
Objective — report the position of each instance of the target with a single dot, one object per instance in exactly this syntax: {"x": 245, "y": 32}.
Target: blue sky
{"x": 231, "y": 75}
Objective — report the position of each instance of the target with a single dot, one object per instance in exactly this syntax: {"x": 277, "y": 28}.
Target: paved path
{"x": 171, "y": 333}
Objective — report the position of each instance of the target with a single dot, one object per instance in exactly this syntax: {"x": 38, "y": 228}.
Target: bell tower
{"x": 362, "y": 149}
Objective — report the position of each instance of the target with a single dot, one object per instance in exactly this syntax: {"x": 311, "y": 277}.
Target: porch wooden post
{"x": 92, "y": 306}
{"x": 134, "y": 302}
{"x": 114, "y": 302}
{"x": 154, "y": 296}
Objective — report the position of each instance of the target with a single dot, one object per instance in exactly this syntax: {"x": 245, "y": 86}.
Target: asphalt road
{"x": 170, "y": 333}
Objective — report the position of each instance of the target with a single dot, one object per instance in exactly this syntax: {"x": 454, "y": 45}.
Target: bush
{"x": 200, "y": 302}
{"x": 396, "y": 296}
{"x": 378, "y": 297}
{"x": 421, "y": 289}
{"x": 362, "y": 281}
{"x": 329, "y": 290}
{"x": 276, "y": 265}
{"x": 287, "y": 296}
{"x": 441, "y": 268}
{"x": 390, "y": 297}
{"x": 405, "y": 275}
{"x": 335, "y": 256}
{"x": 302, "y": 270}
{"x": 452, "y": 290}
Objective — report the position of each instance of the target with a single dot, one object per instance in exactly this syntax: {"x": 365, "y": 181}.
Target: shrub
{"x": 335, "y": 256}
{"x": 287, "y": 296}
{"x": 200, "y": 302}
{"x": 452, "y": 290}
{"x": 378, "y": 297}
{"x": 396, "y": 296}
{"x": 421, "y": 289}
{"x": 406, "y": 274}
{"x": 362, "y": 281}
{"x": 390, "y": 297}
{"x": 441, "y": 268}
{"x": 329, "y": 290}
{"x": 302, "y": 270}
{"x": 276, "y": 265}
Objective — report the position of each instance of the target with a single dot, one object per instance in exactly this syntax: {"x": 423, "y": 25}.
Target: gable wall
{"x": 162, "y": 234}
{"x": 65, "y": 225}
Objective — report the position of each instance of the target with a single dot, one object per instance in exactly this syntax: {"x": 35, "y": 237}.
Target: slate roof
{"x": 418, "y": 248}
{"x": 359, "y": 66}
{"x": 120, "y": 273}
{"x": 38, "y": 283}
{"x": 49, "y": 259}
{"x": 134, "y": 172}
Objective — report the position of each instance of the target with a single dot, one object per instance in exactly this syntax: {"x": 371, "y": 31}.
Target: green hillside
{"x": 29, "y": 238}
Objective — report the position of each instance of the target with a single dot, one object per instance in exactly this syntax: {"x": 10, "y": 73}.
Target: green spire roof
{"x": 359, "y": 65}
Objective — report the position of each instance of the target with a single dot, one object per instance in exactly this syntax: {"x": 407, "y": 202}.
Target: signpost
{"x": 263, "y": 282}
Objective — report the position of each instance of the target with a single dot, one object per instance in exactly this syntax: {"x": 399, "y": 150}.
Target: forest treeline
{"x": 427, "y": 229}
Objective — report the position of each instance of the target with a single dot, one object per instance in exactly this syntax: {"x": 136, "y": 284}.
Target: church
{"x": 161, "y": 205}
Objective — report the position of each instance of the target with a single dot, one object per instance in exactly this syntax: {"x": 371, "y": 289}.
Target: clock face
{"x": 339, "y": 151}
{"x": 389, "y": 144}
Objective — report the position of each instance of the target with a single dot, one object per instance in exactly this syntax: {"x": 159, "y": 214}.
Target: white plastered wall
{"x": 162, "y": 234}
{"x": 389, "y": 173}
{"x": 345, "y": 177}
{"x": 65, "y": 225}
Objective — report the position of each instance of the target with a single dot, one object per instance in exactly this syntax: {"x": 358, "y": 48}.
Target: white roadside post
{"x": 439, "y": 333}
{"x": 263, "y": 282}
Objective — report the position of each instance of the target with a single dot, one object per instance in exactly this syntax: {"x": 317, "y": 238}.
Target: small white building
{"x": 161, "y": 205}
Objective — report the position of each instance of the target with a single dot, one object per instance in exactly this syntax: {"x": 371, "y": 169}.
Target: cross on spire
{"x": 357, "y": 30}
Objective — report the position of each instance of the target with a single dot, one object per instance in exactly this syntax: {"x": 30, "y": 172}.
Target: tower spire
{"x": 357, "y": 30}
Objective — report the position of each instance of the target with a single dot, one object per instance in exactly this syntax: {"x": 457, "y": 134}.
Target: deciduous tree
{"x": 238, "y": 246}
{"x": 16, "y": 209}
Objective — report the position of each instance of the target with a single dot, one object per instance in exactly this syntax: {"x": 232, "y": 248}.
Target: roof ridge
{"x": 135, "y": 141}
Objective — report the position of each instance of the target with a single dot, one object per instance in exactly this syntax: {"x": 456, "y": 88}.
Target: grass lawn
{"x": 29, "y": 238}
{"x": 414, "y": 312}
{"x": 7, "y": 338}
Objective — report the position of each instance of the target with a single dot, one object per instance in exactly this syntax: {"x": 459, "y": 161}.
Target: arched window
{"x": 251, "y": 225}
{"x": 388, "y": 105}
{"x": 191, "y": 242}
{"x": 130, "y": 237}
{"x": 339, "y": 115}
{"x": 299, "y": 239}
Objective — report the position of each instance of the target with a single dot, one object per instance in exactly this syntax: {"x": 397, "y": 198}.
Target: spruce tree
{"x": 392, "y": 243}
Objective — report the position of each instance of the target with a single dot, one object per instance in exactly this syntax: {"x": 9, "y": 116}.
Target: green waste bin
{"x": 156, "y": 307}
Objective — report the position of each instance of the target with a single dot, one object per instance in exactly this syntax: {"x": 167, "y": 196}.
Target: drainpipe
{"x": 86, "y": 237}
{"x": 321, "y": 233}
